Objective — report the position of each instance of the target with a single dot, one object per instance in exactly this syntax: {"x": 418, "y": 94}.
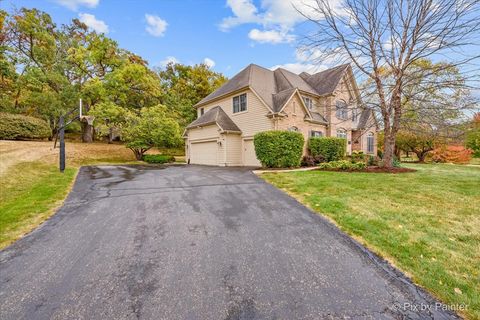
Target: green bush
{"x": 331, "y": 148}
{"x": 158, "y": 158}
{"x": 20, "y": 127}
{"x": 473, "y": 142}
{"x": 279, "y": 149}
{"x": 343, "y": 165}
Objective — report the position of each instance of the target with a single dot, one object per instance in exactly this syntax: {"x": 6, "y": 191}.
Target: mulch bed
{"x": 374, "y": 170}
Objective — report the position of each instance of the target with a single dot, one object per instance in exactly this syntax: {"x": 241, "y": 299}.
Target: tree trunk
{"x": 138, "y": 153}
{"x": 110, "y": 135}
{"x": 87, "y": 132}
{"x": 388, "y": 150}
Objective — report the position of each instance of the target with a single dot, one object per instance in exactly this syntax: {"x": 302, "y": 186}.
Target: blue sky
{"x": 229, "y": 34}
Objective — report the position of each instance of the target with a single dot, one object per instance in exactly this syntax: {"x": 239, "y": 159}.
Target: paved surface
{"x": 193, "y": 242}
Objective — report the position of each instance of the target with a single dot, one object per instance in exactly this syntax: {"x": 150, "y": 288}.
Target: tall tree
{"x": 393, "y": 34}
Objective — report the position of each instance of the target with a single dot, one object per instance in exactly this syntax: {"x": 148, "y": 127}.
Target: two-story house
{"x": 257, "y": 99}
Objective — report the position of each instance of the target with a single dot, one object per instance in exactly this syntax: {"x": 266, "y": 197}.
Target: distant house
{"x": 326, "y": 103}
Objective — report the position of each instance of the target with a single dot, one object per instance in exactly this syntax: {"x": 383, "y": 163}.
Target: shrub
{"x": 310, "y": 161}
{"x": 331, "y": 148}
{"x": 473, "y": 142}
{"x": 452, "y": 154}
{"x": 279, "y": 149}
{"x": 343, "y": 165}
{"x": 372, "y": 161}
{"x": 357, "y": 156}
{"x": 158, "y": 158}
{"x": 19, "y": 127}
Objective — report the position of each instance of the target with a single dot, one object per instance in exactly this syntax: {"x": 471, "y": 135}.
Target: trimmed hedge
{"x": 158, "y": 158}
{"x": 19, "y": 127}
{"x": 279, "y": 149}
{"x": 331, "y": 148}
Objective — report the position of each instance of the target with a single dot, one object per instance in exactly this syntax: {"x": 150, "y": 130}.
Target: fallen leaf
{"x": 457, "y": 291}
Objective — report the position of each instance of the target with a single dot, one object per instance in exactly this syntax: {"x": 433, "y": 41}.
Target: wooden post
{"x": 62, "y": 143}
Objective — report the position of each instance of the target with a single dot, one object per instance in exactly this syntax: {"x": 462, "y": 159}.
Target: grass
{"x": 427, "y": 223}
{"x": 31, "y": 186}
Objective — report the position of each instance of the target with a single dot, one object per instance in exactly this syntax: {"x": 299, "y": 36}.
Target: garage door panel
{"x": 249, "y": 156}
{"x": 204, "y": 153}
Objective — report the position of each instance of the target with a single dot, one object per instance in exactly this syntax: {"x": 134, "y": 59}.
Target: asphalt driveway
{"x": 192, "y": 242}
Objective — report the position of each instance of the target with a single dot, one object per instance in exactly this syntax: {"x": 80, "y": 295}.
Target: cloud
{"x": 93, "y": 23}
{"x": 75, "y": 4}
{"x": 156, "y": 26}
{"x": 167, "y": 60}
{"x": 244, "y": 11}
{"x": 209, "y": 62}
{"x": 270, "y": 36}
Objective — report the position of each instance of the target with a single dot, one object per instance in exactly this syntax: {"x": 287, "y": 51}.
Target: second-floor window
{"x": 355, "y": 114}
{"x": 308, "y": 102}
{"x": 240, "y": 103}
{"x": 341, "y": 110}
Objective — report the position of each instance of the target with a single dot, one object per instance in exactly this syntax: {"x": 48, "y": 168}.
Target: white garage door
{"x": 204, "y": 153}
{"x": 249, "y": 157}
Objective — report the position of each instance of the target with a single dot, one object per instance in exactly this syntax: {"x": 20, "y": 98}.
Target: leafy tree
{"x": 151, "y": 127}
{"x": 184, "y": 86}
{"x": 473, "y": 136}
{"x": 417, "y": 142}
{"x": 108, "y": 117}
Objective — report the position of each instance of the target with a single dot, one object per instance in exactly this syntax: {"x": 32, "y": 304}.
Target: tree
{"x": 393, "y": 34}
{"x": 151, "y": 127}
{"x": 472, "y": 140}
{"x": 184, "y": 86}
{"x": 419, "y": 143}
{"x": 108, "y": 117}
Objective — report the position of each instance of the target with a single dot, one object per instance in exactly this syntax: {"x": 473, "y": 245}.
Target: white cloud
{"x": 270, "y": 36}
{"x": 209, "y": 62}
{"x": 167, "y": 60}
{"x": 156, "y": 26}
{"x": 299, "y": 67}
{"x": 244, "y": 11}
{"x": 75, "y": 4}
{"x": 93, "y": 23}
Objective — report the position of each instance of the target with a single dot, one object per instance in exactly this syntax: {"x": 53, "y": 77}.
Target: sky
{"x": 225, "y": 34}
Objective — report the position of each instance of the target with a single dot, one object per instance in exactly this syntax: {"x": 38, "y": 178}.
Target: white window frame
{"x": 341, "y": 109}
{"x": 370, "y": 142}
{"x": 239, "y": 104}
{"x": 293, "y": 129}
{"x": 355, "y": 114}
{"x": 342, "y": 133}
{"x": 316, "y": 133}
{"x": 308, "y": 102}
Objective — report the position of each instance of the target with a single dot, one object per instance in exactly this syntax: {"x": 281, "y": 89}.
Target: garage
{"x": 249, "y": 156}
{"x": 204, "y": 153}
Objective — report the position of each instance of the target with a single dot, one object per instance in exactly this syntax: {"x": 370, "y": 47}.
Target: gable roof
{"x": 212, "y": 116}
{"x": 271, "y": 86}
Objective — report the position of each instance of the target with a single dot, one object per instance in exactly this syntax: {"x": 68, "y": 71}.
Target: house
{"x": 257, "y": 99}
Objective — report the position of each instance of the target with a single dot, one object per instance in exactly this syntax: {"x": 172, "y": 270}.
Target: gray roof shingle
{"x": 215, "y": 115}
{"x": 325, "y": 81}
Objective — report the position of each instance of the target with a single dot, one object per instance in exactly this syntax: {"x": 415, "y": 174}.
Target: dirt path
{"x": 13, "y": 152}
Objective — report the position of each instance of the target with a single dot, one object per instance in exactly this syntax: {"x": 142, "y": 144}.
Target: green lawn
{"x": 30, "y": 192}
{"x": 427, "y": 223}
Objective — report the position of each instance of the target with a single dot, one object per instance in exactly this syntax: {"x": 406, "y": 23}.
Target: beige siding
{"x": 250, "y": 122}
{"x": 233, "y": 149}
{"x": 208, "y": 132}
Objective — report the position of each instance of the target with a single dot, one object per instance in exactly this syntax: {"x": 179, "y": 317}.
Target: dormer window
{"x": 308, "y": 102}
{"x": 341, "y": 110}
{"x": 240, "y": 103}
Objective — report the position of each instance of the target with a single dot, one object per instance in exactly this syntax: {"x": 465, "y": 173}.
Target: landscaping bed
{"x": 373, "y": 169}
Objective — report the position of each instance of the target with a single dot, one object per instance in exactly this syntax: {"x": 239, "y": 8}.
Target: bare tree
{"x": 384, "y": 38}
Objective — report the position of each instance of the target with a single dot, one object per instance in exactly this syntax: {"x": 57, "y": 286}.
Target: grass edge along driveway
{"x": 426, "y": 223}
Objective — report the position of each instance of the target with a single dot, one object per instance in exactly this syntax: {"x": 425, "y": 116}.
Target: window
{"x": 240, "y": 103}
{"x": 370, "y": 143}
{"x": 354, "y": 115}
{"x": 295, "y": 129}
{"x": 314, "y": 133}
{"x": 202, "y": 111}
{"x": 308, "y": 102}
{"x": 341, "y": 110}
{"x": 341, "y": 134}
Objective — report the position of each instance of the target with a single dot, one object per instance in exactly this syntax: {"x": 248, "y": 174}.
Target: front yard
{"x": 427, "y": 223}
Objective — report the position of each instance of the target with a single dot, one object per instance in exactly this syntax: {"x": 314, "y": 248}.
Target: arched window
{"x": 370, "y": 142}
{"x": 341, "y": 110}
{"x": 341, "y": 133}
{"x": 295, "y": 129}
